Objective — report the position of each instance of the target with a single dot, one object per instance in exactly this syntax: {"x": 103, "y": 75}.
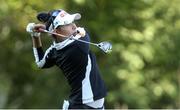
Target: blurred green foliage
{"x": 141, "y": 72}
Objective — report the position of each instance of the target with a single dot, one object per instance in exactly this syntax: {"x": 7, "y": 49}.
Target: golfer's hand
{"x": 38, "y": 27}
{"x": 81, "y": 31}
{"x": 34, "y": 29}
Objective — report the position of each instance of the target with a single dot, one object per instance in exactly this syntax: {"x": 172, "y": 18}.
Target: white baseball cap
{"x": 63, "y": 18}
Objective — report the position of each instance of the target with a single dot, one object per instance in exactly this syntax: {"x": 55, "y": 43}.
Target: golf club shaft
{"x": 85, "y": 41}
{"x": 67, "y": 36}
{"x": 52, "y": 33}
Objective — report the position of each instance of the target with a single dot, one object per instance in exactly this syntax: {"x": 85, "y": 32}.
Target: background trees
{"x": 141, "y": 72}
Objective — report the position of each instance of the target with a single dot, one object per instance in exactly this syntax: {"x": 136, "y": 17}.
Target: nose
{"x": 73, "y": 26}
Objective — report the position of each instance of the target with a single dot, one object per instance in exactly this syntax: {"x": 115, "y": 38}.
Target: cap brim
{"x": 77, "y": 16}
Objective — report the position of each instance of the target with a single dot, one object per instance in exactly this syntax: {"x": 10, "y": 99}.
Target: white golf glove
{"x": 30, "y": 29}
{"x": 81, "y": 31}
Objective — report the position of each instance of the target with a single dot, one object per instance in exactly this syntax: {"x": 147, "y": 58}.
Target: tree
{"x": 141, "y": 72}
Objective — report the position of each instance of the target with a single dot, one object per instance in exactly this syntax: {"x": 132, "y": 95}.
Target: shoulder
{"x": 50, "y": 51}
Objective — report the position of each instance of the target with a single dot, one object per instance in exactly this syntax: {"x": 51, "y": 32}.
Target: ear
{"x": 55, "y": 30}
{"x": 58, "y": 30}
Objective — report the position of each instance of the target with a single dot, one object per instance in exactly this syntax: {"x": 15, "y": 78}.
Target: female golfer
{"x": 74, "y": 58}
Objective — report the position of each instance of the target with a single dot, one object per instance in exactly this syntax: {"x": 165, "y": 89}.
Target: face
{"x": 67, "y": 30}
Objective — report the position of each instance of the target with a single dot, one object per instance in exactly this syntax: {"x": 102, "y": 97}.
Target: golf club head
{"x": 105, "y": 46}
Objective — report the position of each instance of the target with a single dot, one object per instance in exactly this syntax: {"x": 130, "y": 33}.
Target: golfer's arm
{"x": 38, "y": 51}
{"x": 36, "y": 42}
{"x": 43, "y": 60}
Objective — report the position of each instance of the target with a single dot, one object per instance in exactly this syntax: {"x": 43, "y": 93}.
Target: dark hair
{"x": 43, "y": 17}
{"x": 46, "y": 18}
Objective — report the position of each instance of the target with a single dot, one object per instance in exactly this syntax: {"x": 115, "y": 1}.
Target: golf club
{"x": 104, "y": 46}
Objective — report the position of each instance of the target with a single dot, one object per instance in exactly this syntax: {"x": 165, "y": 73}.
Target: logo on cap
{"x": 63, "y": 14}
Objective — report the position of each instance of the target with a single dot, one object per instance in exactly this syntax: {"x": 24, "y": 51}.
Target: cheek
{"x": 71, "y": 29}
{"x": 66, "y": 31}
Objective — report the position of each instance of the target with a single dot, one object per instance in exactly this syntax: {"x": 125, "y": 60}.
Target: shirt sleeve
{"x": 44, "y": 60}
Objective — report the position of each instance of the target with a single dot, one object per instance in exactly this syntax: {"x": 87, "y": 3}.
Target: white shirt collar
{"x": 64, "y": 43}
